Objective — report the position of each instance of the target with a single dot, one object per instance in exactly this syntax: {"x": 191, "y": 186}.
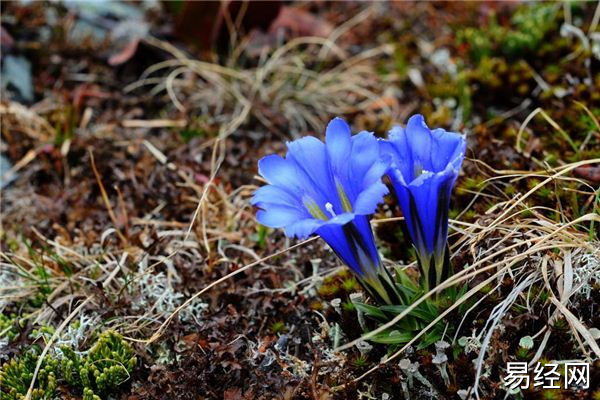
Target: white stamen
{"x": 329, "y": 208}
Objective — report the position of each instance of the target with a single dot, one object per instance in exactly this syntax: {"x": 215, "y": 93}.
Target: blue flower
{"x": 330, "y": 189}
{"x": 425, "y": 165}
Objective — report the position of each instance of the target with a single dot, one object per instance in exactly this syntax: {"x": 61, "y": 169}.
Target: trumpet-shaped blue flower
{"x": 425, "y": 165}
{"x": 330, "y": 189}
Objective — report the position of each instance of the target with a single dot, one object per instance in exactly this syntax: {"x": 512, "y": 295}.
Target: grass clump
{"x": 425, "y": 313}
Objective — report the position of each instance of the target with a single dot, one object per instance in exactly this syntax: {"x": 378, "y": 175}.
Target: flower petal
{"x": 367, "y": 201}
{"x": 278, "y": 171}
{"x": 337, "y": 141}
{"x": 403, "y": 196}
{"x": 335, "y": 237}
{"x": 376, "y": 171}
{"x": 363, "y": 227}
{"x": 431, "y": 193}
{"x": 276, "y": 195}
{"x": 447, "y": 147}
{"x": 341, "y": 219}
{"x": 419, "y": 140}
{"x": 340, "y": 181}
{"x": 365, "y": 152}
{"x": 310, "y": 155}
{"x": 303, "y": 228}
{"x": 398, "y": 148}
{"x": 276, "y": 216}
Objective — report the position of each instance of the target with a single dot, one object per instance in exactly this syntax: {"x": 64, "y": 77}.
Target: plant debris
{"x": 132, "y": 263}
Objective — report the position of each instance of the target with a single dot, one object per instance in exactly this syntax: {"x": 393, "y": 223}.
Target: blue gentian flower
{"x": 330, "y": 189}
{"x": 425, "y": 165}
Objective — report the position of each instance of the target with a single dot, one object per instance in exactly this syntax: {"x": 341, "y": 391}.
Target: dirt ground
{"x": 131, "y": 134}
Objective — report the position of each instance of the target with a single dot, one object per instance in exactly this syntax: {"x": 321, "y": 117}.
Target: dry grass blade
{"x": 493, "y": 321}
{"x": 578, "y": 325}
{"x": 304, "y": 95}
{"x": 154, "y": 123}
{"x": 561, "y": 172}
{"x": 553, "y": 123}
{"x": 106, "y": 200}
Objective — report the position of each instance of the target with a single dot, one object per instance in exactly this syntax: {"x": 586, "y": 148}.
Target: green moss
{"x": 278, "y": 327}
{"x": 453, "y": 213}
{"x": 444, "y": 90}
{"x": 44, "y": 331}
{"x": 189, "y": 134}
{"x": 88, "y": 394}
{"x": 531, "y": 24}
{"x": 348, "y": 306}
{"x": 561, "y": 324}
{"x": 359, "y": 361}
{"x": 328, "y": 290}
{"x": 469, "y": 215}
{"x": 551, "y": 394}
{"x": 525, "y": 33}
{"x": 551, "y": 159}
{"x": 400, "y": 60}
{"x": 16, "y": 376}
{"x": 350, "y": 284}
{"x": 486, "y": 289}
{"x": 480, "y": 46}
{"x": 538, "y": 295}
{"x": 544, "y": 192}
{"x": 473, "y": 183}
{"x": 526, "y": 213}
{"x": 316, "y": 305}
{"x": 107, "y": 365}
{"x": 339, "y": 285}
{"x": 510, "y": 190}
{"x": 523, "y": 354}
{"x": 8, "y": 327}
{"x": 544, "y": 296}
{"x": 262, "y": 236}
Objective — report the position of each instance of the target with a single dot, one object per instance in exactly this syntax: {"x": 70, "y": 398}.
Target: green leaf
{"x": 393, "y": 337}
{"x": 432, "y": 336}
{"x": 393, "y": 309}
{"x": 407, "y": 323}
{"x": 431, "y": 308}
{"x": 403, "y": 279}
{"x": 408, "y": 293}
{"x": 371, "y": 311}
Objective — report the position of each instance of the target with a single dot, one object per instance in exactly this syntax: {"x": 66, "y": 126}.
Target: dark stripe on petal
{"x": 441, "y": 229}
{"x": 432, "y": 276}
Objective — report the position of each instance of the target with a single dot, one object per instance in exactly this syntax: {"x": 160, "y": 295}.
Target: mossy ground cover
{"x": 134, "y": 158}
